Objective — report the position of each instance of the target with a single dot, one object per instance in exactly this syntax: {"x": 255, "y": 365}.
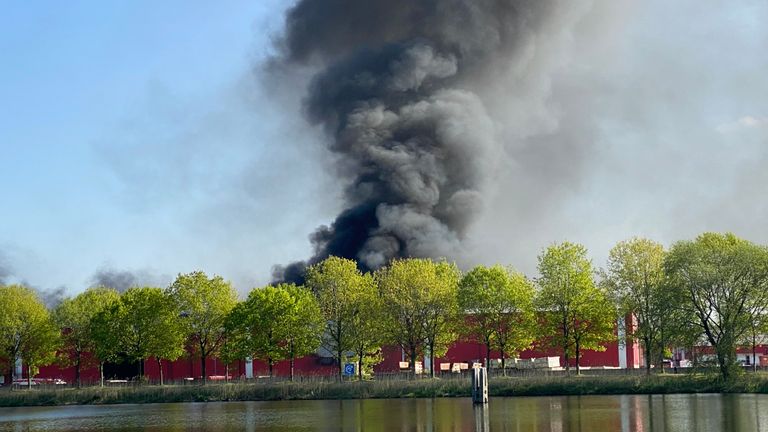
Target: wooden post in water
{"x": 479, "y": 385}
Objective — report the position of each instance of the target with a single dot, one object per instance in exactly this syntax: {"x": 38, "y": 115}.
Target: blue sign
{"x": 349, "y": 369}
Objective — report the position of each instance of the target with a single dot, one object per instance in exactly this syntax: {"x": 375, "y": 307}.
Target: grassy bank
{"x": 424, "y": 388}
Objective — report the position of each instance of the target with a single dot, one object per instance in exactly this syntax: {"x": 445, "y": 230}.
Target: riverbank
{"x": 422, "y": 388}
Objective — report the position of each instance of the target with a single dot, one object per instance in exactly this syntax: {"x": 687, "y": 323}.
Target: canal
{"x": 635, "y": 413}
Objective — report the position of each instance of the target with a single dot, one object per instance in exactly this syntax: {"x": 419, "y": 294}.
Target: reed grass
{"x": 421, "y": 388}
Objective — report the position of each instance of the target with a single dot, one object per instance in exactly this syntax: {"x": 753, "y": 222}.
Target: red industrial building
{"x": 625, "y": 354}
{"x": 314, "y": 365}
{"x": 616, "y": 355}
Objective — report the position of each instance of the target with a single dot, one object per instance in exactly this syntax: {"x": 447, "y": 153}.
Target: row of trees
{"x": 100, "y": 325}
{"x": 418, "y": 304}
{"x": 712, "y": 288}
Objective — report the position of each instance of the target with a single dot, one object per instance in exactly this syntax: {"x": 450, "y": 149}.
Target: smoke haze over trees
{"x": 121, "y": 280}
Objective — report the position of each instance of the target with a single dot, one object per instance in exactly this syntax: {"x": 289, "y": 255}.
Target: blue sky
{"x": 135, "y": 136}
{"x": 88, "y": 86}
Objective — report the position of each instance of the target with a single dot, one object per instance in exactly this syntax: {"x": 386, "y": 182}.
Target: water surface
{"x": 657, "y": 413}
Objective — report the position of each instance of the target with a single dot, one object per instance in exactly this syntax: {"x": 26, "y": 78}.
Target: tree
{"x": 27, "y": 331}
{"x": 635, "y": 277}
{"x": 276, "y": 323}
{"x": 420, "y": 306}
{"x": 149, "y": 326}
{"x": 441, "y": 310}
{"x": 304, "y": 324}
{"x": 75, "y": 317}
{"x": 204, "y": 305}
{"x": 725, "y": 283}
{"x": 578, "y": 314}
{"x": 41, "y": 346}
{"x": 367, "y": 334}
{"x": 337, "y": 283}
{"x": 757, "y": 334}
{"x": 499, "y": 305}
{"x": 106, "y": 332}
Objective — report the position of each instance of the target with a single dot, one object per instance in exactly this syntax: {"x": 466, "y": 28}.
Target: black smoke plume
{"x": 120, "y": 280}
{"x": 396, "y": 94}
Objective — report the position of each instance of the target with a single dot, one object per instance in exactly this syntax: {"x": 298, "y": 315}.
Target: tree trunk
{"x": 661, "y": 361}
{"x": 11, "y": 374}
{"x": 724, "y": 366}
{"x": 270, "y": 363}
{"x": 565, "y": 348}
{"x": 77, "y": 369}
{"x": 29, "y": 377}
{"x": 488, "y": 353}
{"x": 292, "y": 362}
{"x": 503, "y": 363}
{"x": 160, "y": 367}
{"x": 360, "y": 365}
{"x": 413, "y": 363}
{"x": 203, "y": 357}
{"x": 693, "y": 356}
{"x": 101, "y": 373}
{"x": 754, "y": 352}
{"x": 647, "y": 344}
{"x": 341, "y": 365}
{"x": 431, "y": 360}
{"x": 578, "y": 355}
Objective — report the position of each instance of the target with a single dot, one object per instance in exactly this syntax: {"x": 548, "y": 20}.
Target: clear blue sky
{"x": 96, "y": 97}
{"x": 134, "y": 136}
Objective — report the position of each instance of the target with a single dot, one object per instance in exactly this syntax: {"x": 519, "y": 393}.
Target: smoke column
{"x": 397, "y": 93}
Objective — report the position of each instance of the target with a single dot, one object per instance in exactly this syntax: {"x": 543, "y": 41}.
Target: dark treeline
{"x": 711, "y": 290}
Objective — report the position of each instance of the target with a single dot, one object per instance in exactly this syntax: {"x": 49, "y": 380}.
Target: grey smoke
{"x": 120, "y": 280}
{"x": 51, "y": 297}
{"x": 400, "y": 94}
{"x": 5, "y": 270}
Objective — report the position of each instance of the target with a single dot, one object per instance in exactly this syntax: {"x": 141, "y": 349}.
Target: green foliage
{"x": 106, "y": 333}
{"x": 27, "y": 330}
{"x": 75, "y": 316}
{"x": 499, "y": 304}
{"x": 420, "y": 305}
{"x": 636, "y": 278}
{"x": 304, "y": 323}
{"x": 578, "y": 314}
{"x": 339, "y": 287}
{"x": 367, "y": 327}
{"x": 142, "y": 323}
{"x": 204, "y": 304}
{"x": 150, "y": 324}
{"x": 276, "y": 323}
{"x": 724, "y": 280}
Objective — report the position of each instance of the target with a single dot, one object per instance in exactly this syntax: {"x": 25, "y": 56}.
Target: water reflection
{"x": 653, "y": 413}
{"x": 482, "y": 418}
